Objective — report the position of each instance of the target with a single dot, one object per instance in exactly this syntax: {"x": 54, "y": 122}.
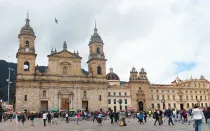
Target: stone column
{"x": 59, "y": 97}
{"x": 71, "y": 101}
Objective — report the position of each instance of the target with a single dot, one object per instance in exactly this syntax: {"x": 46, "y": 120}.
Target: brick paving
{"x": 132, "y": 125}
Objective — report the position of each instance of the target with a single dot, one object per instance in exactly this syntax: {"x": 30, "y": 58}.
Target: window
{"x": 204, "y": 92}
{"x": 201, "y": 104}
{"x": 186, "y": 91}
{"x": 109, "y": 93}
{"x": 190, "y": 91}
{"x": 151, "y": 97}
{"x": 126, "y": 108}
{"x": 114, "y": 101}
{"x": 206, "y": 104}
{"x": 44, "y": 93}
{"x": 114, "y": 94}
{"x": 191, "y": 97}
{"x": 99, "y": 97}
{"x": 168, "y": 90}
{"x": 192, "y": 104}
{"x": 158, "y": 105}
{"x": 151, "y": 90}
{"x": 125, "y": 101}
{"x": 173, "y": 91}
{"x": 99, "y": 70}
{"x": 153, "y": 106}
{"x": 119, "y": 93}
{"x": 188, "y": 105}
{"x": 162, "y": 97}
{"x": 195, "y": 91}
{"x": 205, "y": 97}
{"x": 109, "y": 101}
{"x": 173, "y": 97}
{"x": 25, "y": 98}
{"x": 180, "y": 97}
{"x": 168, "y": 97}
{"x": 200, "y": 97}
{"x": 196, "y": 97}
{"x": 194, "y": 85}
{"x": 157, "y": 97}
{"x": 27, "y": 44}
{"x": 169, "y": 105}
{"x": 174, "y": 105}
{"x": 98, "y": 50}
{"x": 84, "y": 94}
{"x": 65, "y": 70}
{"x": 26, "y": 66}
{"x": 156, "y": 90}
{"x": 125, "y": 93}
{"x": 186, "y": 97}
{"x": 162, "y": 90}
{"x": 139, "y": 88}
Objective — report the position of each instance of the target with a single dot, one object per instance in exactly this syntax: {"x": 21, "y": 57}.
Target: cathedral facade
{"x": 64, "y": 85}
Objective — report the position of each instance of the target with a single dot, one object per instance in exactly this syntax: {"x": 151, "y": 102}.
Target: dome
{"x": 112, "y": 75}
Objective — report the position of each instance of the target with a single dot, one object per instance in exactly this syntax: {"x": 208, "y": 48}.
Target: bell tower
{"x": 96, "y": 61}
{"x": 26, "y": 55}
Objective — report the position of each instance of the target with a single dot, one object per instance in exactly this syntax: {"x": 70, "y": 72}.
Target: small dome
{"x": 112, "y": 76}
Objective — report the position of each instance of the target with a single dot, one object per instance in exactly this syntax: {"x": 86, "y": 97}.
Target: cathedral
{"x": 65, "y": 85}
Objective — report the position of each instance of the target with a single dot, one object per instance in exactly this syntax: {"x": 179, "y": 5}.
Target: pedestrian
{"x": 100, "y": 119}
{"x": 44, "y": 116}
{"x": 56, "y": 118}
{"x": 145, "y": 116}
{"x": 23, "y": 118}
{"x": 77, "y": 117}
{"x": 170, "y": 114}
{"x": 156, "y": 117}
{"x": 208, "y": 116}
{"x": 32, "y": 119}
{"x": 197, "y": 116}
{"x": 112, "y": 117}
{"x": 49, "y": 117}
{"x": 140, "y": 116}
{"x": 67, "y": 118}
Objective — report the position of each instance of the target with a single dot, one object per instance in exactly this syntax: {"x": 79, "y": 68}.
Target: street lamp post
{"x": 10, "y": 69}
{"x": 120, "y": 102}
{"x": 163, "y": 101}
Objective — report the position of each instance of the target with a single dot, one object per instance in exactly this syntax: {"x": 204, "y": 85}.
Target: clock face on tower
{"x": 26, "y": 50}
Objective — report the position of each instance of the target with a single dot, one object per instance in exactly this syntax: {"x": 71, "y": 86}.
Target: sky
{"x": 168, "y": 38}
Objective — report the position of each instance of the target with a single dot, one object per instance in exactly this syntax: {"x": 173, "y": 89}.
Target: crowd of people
{"x": 170, "y": 116}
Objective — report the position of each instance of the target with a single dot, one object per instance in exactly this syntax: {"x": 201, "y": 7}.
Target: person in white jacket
{"x": 197, "y": 116}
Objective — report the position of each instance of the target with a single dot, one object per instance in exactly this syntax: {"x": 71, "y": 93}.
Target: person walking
{"x": 56, "y": 118}
{"x": 23, "y": 119}
{"x": 32, "y": 119}
{"x": 49, "y": 117}
{"x": 156, "y": 117}
{"x": 44, "y": 116}
{"x": 67, "y": 118}
{"x": 145, "y": 116}
{"x": 77, "y": 117}
{"x": 170, "y": 114}
{"x": 140, "y": 116}
{"x": 208, "y": 116}
{"x": 197, "y": 116}
{"x": 112, "y": 117}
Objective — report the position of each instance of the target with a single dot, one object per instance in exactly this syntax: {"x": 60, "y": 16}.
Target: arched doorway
{"x": 141, "y": 106}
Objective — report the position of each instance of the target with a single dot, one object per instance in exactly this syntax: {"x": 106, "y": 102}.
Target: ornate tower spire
{"x": 64, "y": 46}
{"x": 27, "y": 19}
{"x": 95, "y": 29}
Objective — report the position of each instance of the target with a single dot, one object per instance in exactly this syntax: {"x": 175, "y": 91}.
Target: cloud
{"x": 145, "y": 33}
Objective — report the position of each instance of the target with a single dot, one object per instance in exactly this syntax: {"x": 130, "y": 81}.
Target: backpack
{"x": 184, "y": 113}
{"x": 140, "y": 116}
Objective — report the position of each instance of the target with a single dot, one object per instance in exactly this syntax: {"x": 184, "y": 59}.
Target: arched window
{"x": 99, "y": 70}
{"x": 26, "y": 66}
{"x": 98, "y": 50}
{"x": 25, "y": 98}
{"x": 65, "y": 70}
{"x": 84, "y": 94}
{"x": 27, "y": 44}
{"x": 44, "y": 93}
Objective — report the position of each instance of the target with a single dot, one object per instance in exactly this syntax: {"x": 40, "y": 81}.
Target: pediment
{"x": 65, "y": 54}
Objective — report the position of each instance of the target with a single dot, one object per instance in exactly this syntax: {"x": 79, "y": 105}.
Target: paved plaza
{"x": 132, "y": 125}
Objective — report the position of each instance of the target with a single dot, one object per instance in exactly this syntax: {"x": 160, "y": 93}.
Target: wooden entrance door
{"x": 64, "y": 103}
